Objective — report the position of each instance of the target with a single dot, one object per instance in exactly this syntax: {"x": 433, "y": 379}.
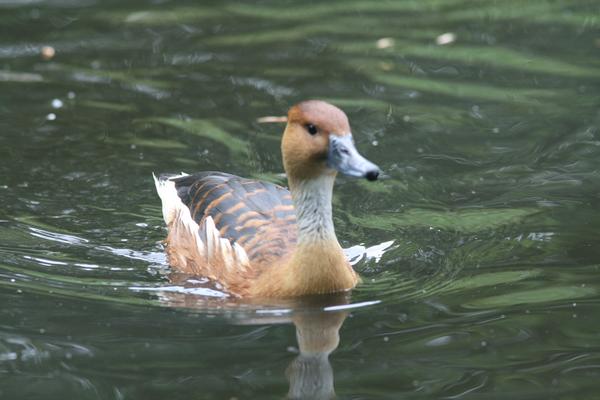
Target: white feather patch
{"x": 213, "y": 248}
{"x": 171, "y": 203}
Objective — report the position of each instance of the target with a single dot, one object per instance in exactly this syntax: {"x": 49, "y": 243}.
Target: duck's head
{"x": 318, "y": 141}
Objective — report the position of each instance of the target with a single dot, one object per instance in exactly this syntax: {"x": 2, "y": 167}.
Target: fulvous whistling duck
{"x": 258, "y": 239}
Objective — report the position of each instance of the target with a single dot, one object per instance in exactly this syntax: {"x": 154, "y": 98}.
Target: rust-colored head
{"x": 317, "y": 141}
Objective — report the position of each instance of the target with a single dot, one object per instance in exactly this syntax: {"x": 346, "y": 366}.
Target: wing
{"x": 234, "y": 216}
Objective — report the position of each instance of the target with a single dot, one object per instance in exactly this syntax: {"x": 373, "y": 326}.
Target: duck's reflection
{"x": 310, "y": 374}
{"x": 317, "y": 320}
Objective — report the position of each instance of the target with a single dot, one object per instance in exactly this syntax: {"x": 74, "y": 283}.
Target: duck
{"x": 256, "y": 239}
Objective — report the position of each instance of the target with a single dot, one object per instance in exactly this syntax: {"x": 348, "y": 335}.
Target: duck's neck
{"x": 312, "y": 202}
{"x": 318, "y": 264}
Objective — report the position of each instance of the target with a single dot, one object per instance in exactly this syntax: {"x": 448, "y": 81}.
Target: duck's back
{"x": 226, "y": 227}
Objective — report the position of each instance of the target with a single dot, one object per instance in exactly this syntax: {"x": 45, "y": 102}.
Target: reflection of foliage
{"x": 205, "y": 128}
{"x": 466, "y": 221}
{"x": 532, "y": 296}
{"x": 493, "y": 56}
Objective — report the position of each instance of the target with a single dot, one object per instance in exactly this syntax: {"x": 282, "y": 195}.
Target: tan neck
{"x": 312, "y": 202}
{"x": 318, "y": 264}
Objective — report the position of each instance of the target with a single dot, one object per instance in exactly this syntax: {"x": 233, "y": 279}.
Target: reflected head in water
{"x": 310, "y": 374}
{"x": 257, "y": 239}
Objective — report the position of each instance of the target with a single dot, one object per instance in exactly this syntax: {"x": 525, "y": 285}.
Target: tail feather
{"x": 198, "y": 247}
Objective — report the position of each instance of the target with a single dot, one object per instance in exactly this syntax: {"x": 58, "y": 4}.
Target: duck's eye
{"x": 311, "y": 129}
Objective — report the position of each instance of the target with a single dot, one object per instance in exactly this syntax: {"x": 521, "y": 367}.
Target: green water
{"x": 490, "y": 288}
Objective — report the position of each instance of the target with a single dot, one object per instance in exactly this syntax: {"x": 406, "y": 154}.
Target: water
{"x": 478, "y": 253}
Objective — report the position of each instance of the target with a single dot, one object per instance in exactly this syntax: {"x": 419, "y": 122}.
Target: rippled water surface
{"x": 479, "y": 252}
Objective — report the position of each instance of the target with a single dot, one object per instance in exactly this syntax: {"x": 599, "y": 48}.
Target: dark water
{"x": 490, "y": 288}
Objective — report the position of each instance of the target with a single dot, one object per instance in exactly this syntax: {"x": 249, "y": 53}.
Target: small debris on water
{"x": 57, "y": 103}
{"x": 445, "y": 38}
{"x": 47, "y": 53}
{"x": 385, "y": 43}
{"x": 51, "y": 117}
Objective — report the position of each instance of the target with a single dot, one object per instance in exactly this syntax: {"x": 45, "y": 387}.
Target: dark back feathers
{"x": 257, "y": 215}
